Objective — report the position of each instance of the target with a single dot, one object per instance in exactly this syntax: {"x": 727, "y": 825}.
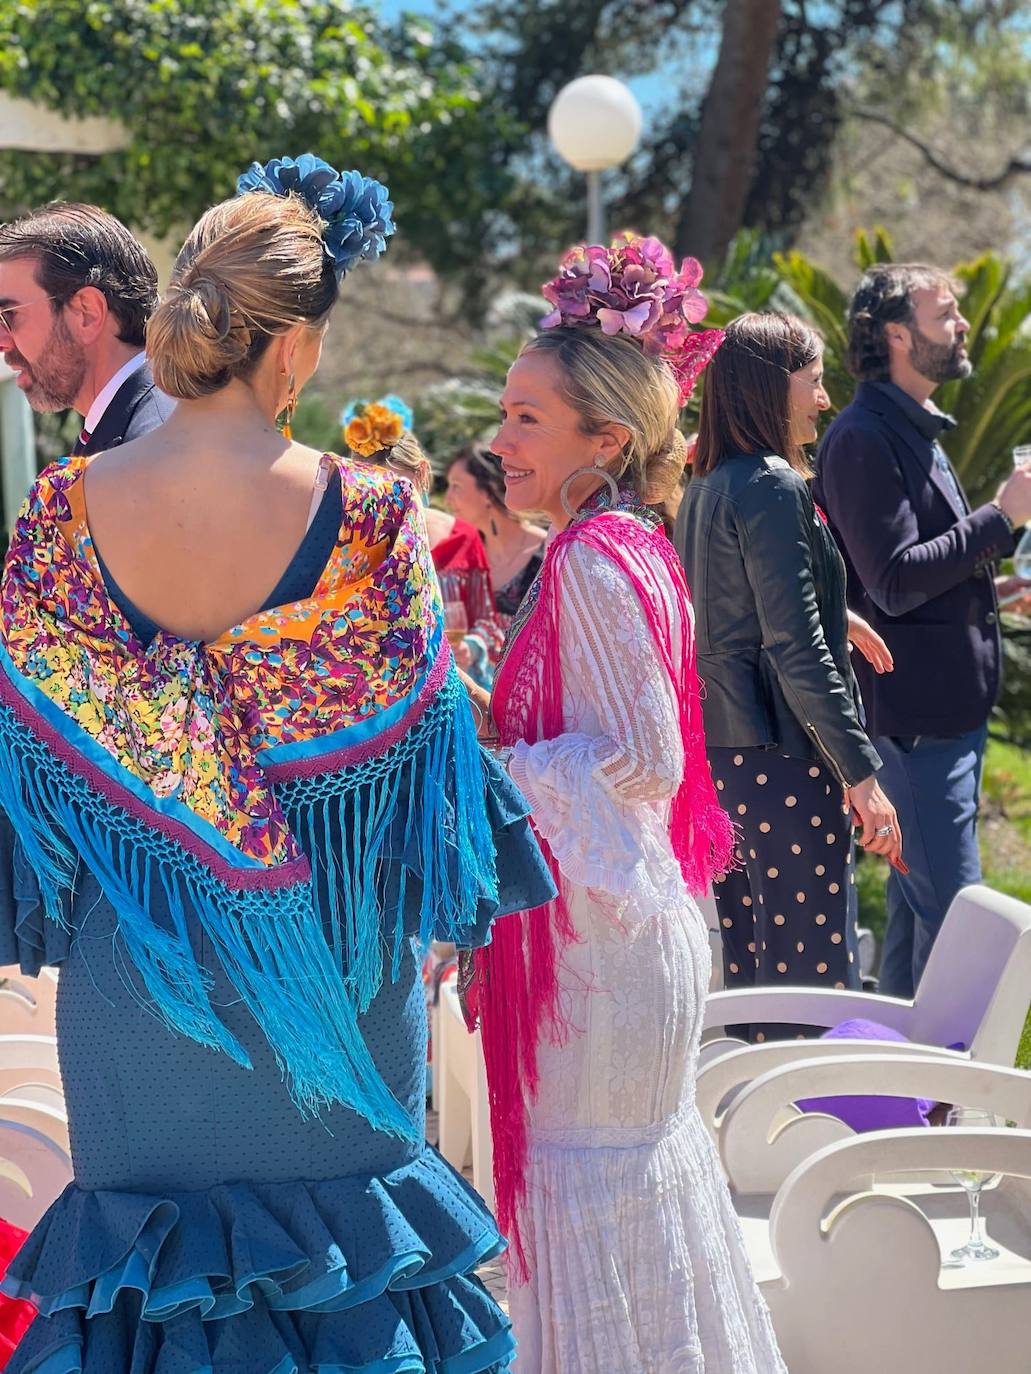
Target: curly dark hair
{"x": 885, "y": 296}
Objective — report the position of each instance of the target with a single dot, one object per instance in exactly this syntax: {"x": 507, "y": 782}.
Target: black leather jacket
{"x": 769, "y": 591}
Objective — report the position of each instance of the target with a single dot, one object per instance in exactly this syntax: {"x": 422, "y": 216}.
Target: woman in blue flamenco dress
{"x": 239, "y": 784}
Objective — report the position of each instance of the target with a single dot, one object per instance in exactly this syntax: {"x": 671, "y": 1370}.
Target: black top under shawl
{"x": 508, "y": 598}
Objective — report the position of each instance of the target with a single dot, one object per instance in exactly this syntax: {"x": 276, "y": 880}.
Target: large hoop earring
{"x": 593, "y": 471}
{"x": 291, "y": 406}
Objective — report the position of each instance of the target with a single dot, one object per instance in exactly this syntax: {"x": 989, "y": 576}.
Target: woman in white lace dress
{"x": 627, "y": 1257}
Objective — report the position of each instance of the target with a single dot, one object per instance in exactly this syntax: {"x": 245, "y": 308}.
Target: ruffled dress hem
{"x": 358, "y": 1275}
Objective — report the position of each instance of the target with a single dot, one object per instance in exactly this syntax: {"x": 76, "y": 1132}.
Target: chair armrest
{"x": 737, "y": 1065}
{"x": 816, "y": 1185}
{"x": 749, "y": 1137}
{"x": 29, "y": 1052}
{"x": 806, "y": 1007}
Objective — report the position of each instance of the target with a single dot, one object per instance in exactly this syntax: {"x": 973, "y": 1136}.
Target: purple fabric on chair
{"x": 870, "y": 1113}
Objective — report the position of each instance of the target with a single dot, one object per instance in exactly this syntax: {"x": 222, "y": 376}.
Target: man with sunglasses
{"x": 76, "y": 291}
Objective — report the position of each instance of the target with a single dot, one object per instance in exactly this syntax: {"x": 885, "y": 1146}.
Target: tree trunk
{"x": 727, "y": 138}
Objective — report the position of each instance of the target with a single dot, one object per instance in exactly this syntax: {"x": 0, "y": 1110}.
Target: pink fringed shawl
{"x": 518, "y": 992}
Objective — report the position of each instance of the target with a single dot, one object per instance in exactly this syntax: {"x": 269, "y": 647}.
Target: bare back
{"x": 198, "y": 533}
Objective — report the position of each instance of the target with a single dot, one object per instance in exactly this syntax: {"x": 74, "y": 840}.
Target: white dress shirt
{"x": 106, "y": 394}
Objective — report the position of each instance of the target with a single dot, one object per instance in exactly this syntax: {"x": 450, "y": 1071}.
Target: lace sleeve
{"x": 589, "y": 787}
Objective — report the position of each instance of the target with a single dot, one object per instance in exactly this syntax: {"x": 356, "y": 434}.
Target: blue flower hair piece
{"x": 355, "y": 209}
{"x": 391, "y": 402}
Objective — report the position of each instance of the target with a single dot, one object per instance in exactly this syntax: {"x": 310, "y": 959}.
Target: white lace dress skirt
{"x": 637, "y": 1260}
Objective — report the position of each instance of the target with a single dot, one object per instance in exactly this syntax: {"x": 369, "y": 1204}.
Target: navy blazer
{"x": 920, "y": 569}
{"x": 136, "y": 408}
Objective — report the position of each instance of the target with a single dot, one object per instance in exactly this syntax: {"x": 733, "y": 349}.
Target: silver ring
{"x": 885, "y": 830}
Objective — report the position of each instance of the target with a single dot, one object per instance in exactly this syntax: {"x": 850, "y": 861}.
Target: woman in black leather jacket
{"x": 788, "y": 752}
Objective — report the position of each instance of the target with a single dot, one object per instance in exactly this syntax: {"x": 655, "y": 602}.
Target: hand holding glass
{"x": 456, "y": 621}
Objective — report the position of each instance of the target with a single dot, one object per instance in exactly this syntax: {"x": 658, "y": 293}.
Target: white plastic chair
{"x": 28, "y": 1006}
{"x": 860, "y": 1284}
{"x": 849, "y": 1254}
{"x": 975, "y": 989}
{"x": 47, "y": 1094}
{"x": 763, "y": 1135}
{"x": 723, "y": 1076}
{"x": 44, "y": 1117}
{"x": 464, "y": 1103}
{"x": 30, "y": 1052}
{"x": 33, "y": 1173}
{"x": 29, "y": 1060}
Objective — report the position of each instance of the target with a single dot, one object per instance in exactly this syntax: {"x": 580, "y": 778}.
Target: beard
{"x": 938, "y": 362}
{"x": 56, "y": 378}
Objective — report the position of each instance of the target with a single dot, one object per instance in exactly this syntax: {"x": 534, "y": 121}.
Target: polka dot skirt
{"x": 788, "y": 913}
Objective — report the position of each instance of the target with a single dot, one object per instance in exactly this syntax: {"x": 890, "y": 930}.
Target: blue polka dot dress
{"x": 210, "y": 1229}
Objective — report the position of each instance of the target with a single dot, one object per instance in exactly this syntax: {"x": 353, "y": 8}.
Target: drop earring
{"x": 291, "y": 406}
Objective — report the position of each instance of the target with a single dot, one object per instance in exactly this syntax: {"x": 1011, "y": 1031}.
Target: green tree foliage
{"x": 822, "y": 55}
{"x": 453, "y": 122}
{"x": 206, "y": 86}
{"x": 464, "y": 409}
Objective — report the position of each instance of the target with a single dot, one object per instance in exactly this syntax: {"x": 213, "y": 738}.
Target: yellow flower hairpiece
{"x": 372, "y": 428}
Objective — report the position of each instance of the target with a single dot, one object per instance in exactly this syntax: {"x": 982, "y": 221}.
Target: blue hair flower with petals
{"x": 355, "y": 209}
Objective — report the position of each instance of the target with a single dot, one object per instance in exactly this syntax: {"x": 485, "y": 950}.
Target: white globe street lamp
{"x": 595, "y": 124}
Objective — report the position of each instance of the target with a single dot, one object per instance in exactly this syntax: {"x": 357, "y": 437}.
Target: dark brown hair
{"x": 484, "y": 468}
{"x": 885, "y": 296}
{"x": 745, "y": 400}
{"x": 73, "y": 246}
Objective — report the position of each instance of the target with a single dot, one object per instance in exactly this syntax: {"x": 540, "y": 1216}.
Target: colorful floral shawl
{"x": 518, "y": 984}
{"x": 198, "y": 768}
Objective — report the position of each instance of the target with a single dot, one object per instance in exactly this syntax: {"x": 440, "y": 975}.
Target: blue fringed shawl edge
{"x": 306, "y": 958}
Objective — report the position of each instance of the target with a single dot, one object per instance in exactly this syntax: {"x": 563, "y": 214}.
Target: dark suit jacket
{"x": 920, "y": 567}
{"x": 136, "y": 408}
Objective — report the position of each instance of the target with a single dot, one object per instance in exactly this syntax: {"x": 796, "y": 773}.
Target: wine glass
{"x": 456, "y": 621}
{"x": 973, "y": 1181}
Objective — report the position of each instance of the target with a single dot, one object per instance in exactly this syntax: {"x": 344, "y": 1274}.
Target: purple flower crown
{"x": 634, "y": 288}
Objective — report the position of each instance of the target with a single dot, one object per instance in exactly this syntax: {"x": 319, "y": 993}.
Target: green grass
{"x": 1005, "y": 836}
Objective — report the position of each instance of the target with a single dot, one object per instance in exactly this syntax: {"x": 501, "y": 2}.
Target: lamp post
{"x": 595, "y": 124}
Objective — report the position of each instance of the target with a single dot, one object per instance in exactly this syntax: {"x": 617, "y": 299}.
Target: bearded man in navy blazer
{"x": 921, "y": 570}
{"x": 76, "y": 291}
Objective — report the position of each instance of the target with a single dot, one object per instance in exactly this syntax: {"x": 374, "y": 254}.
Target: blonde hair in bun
{"x": 611, "y": 380}
{"x": 252, "y": 268}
